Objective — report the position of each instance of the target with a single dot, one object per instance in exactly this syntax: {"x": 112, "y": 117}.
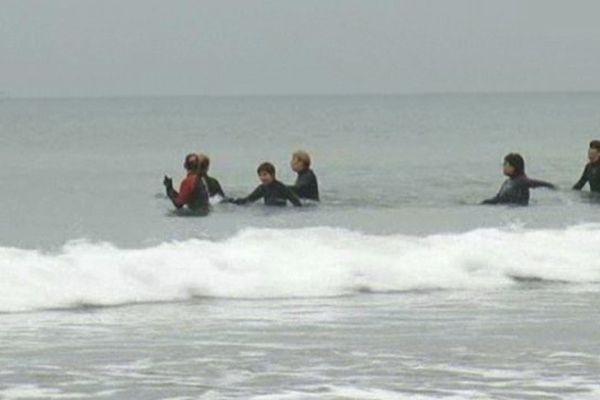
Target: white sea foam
{"x": 349, "y": 392}
{"x": 267, "y": 263}
{"x": 35, "y": 392}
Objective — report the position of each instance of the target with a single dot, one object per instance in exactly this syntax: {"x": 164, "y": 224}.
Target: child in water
{"x": 515, "y": 190}
{"x": 271, "y": 190}
{"x": 306, "y": 186}
{"x": 591, "y": 172}
{"x": 212, "y": 185}
{"x": 192, "y": 192}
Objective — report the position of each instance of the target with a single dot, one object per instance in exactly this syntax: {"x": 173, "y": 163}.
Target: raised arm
{"x": 185, "y": 194}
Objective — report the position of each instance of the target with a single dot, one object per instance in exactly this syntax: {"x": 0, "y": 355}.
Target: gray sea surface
{"x": 398, "y": 285}
{"x": 93, "y": 168}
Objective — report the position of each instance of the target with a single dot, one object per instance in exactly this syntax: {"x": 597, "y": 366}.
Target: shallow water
{"x": 93, "y": 168}
{"x": 398, "y": 285}
{"x": 534, "y": 341}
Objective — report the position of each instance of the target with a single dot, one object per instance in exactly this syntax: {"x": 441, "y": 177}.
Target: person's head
{"x": 191, "y": 162}
{"x": 300, "y": 161}
{"x": 266, "y": 173}
{"x": 514, "y": 165}
{"x": 203, "y": 163}
{"x": 594, "y": 151}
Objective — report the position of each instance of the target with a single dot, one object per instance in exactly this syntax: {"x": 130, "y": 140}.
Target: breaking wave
{"x": 276, "y": 263}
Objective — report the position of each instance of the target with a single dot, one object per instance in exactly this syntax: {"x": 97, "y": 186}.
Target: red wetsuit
{"x": 191, "y": 193}
{"x": 186, "y": 190}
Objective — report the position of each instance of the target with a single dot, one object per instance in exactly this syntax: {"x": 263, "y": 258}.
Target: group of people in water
{"x": 197, "y": 188}
{"x": 515, "y": 190}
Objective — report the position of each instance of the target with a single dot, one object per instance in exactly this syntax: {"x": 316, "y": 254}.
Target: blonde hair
{"x": 303, "y": 157}
{"x": 203, "y": 163}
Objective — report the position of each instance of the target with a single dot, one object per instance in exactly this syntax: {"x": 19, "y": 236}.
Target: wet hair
{"x": 204, "y": 163}
{"x": 303, "y": 157}
{"x": 516, "y": 161}
{"x": 191, "y": 162}
{"x": 595, "y": 144}
{"x": 266, "y": 167}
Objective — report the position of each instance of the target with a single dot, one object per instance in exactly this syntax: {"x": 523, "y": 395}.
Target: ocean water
{"x": 397, "y": 286}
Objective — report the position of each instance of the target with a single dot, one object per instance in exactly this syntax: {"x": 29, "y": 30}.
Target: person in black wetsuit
{"x": 591, "y": 172}
{"x": 516, "y": 188}
{"x": 271, "y": 190}
{"x": 212, "y": 185}
{"x": 306, "y": 186}
{"x": 192, "y": 192}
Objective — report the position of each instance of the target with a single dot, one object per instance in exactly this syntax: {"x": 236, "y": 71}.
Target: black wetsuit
{"x": 516, "y": 191}
{"x": 591, "y": 174}
{"x": 306, "y": 186}
{"x": 274, "y": 194}
{"x": 213, "y": 186}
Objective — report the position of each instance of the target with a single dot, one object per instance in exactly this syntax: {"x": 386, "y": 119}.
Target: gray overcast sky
{"x": 135, "y": 47}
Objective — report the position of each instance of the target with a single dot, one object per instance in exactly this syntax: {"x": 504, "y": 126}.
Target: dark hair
{"x": 191, "y": 162}
{"x": 595, "y": 144}
{"x": 516, "y": 161}
{"x": 266, "y": 167}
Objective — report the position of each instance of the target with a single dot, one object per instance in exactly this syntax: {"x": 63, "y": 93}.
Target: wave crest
{"x": 270, "y": 263}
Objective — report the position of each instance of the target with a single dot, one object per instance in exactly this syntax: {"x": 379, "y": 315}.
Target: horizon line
{"x": 7, "y": 96}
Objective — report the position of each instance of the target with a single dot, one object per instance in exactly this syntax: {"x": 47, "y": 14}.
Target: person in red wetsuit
{"x": 192, "y": 192}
